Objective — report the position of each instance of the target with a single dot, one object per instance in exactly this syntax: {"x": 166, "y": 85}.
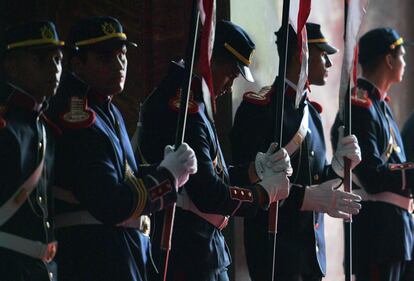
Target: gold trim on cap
{"x": 237, "y": 54}
{"x": 35, "y": 42}
{"x": 101, "y": 38}
{"x": 319, "y": 40}
{"x": 397, "y": 43}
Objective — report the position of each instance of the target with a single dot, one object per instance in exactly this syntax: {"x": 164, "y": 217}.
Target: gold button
{"x": 242, "y": 192}
{"x": 249, "y": 194}
{"x": 312, "y": 153}
{"x": 316, "y": 177}
{"x": 47, "y": 224}
{"x": 235, "y": 191}
{"x": 317, "y": 249}
{"x": 40, "y": 145}
{"x": 51, "y": 275}
{"x": 40, "y": 199}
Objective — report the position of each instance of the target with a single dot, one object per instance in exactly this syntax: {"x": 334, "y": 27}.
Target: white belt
{"x": 85, "y": 218}
{"x": 185, "y": 203}
{"x": 300, "y": 135}
{"x": 34, "y": 249}
{"x": 387, "y": 197}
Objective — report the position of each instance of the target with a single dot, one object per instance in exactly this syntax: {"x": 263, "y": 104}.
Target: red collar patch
{"x": 317, "y": 106}
{"x": 23, "y": 100}
{"x": 3, "y": 110}
{"x": 387, "y": 99}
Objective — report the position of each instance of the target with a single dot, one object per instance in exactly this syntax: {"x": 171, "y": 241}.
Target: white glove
{"x": 347, "y": 147}
{"x": 273, "y": 168}
{"x": 276, "y": 185}
{"x": 275, "y": 161}
{"x": 181, "y": 163}
{"x": 324, "y": 199}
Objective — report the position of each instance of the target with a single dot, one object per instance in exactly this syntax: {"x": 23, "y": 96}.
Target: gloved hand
{"x": 276, "y": 161}
{"x": 273, "y": 168}
{"x": 181, "y": 163}
{"x": 324, "y": 199}
{"x": 347, "y": 147}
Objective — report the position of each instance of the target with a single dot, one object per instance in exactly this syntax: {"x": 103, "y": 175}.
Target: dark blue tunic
{"x": 21, "y": 145}
{"x": 199, "y": 251}
{"x": 382, "y": 232}
{"x": 300, "y": 238}
{"x": 95, "y": 164}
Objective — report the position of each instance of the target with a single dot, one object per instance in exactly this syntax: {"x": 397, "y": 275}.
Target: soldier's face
{"x": 319, "y": 63}
{"x": 398, "y": 65}
{"x": 37, "y": 72}
{"x": 105, "y": 72}
{"x": 224, "y": 74}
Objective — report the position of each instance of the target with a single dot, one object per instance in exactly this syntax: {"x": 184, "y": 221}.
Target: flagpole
{"x": 280, "y": 101}
{"x": 169, "y": 215}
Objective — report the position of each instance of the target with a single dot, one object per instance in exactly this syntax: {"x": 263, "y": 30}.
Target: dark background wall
{"x": 159, "y": 27}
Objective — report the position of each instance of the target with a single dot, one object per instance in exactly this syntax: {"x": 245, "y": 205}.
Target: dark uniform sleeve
{"x": 207, "y": 189}
{"x": 408, "y": 138}
{"x": 374, "y": 174}
{"x": 9, "y": 165}
{"x": 251, "y": 133}
{"x": 100, "y": 189}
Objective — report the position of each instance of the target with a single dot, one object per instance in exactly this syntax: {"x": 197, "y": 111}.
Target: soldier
{"x": 300, "y": 252}
{"x": 213, "y": 195}
{"x": 101, "y": 193}
{"x": 30, "y": 72}
{"x": 383, "y": 231}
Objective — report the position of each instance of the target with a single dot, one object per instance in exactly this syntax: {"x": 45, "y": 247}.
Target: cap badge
{"x": 108, "y": 28}
{"x": 46, "y": 32}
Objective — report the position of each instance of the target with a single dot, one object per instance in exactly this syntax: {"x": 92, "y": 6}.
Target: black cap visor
{"x": 245, "y": 71}
{"x": 330, "y": 50}
{"x": 108, "y": 45}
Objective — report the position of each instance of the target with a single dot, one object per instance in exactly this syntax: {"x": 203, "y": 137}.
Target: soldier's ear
{"x": 9, "y": 64}
{"x": 77, "y": 65}
{"x": 389, "y": 60}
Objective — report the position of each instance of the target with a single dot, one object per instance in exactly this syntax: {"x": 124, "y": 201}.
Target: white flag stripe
{"x": 356, "y": 12}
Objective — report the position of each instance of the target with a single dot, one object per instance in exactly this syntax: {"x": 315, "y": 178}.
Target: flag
{"x": 298, "y": 15}
{"x": 356, "y": 13}
{"x": 207, "y": 10}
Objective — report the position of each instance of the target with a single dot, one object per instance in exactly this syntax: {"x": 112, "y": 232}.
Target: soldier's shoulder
{"x": 361, "y": 98}
{"x": 174, "y": 103}
{"x": 260, "y": 98}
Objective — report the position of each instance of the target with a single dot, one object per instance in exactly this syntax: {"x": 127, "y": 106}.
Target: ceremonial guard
{"x": 102, "y": 196}
{"x": 383, "y": 231}
{"x": 217, "y": 192}
{"x": 30, "y": 73}
{"x": 300, "y": 246}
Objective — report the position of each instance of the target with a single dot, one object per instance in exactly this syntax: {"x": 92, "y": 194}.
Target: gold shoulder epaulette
{"x": 79, "y": 115}
{"x": 361, "y": 98}
{"x": 260, "y": 98}
{"x": 174, "y": 102}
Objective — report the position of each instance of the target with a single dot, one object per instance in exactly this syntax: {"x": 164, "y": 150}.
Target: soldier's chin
{"x": 115, "y": 90}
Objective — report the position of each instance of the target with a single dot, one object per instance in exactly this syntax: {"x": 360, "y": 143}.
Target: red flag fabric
{"x": 208, "y": 19}
{"x": 298, "y": 15}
